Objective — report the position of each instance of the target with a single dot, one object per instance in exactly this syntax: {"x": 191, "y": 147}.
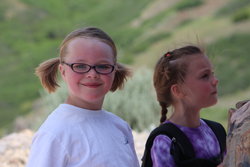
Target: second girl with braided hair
{"x": 184, "y": 79}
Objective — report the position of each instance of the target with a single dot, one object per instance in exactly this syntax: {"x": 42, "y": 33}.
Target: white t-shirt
{"x": 76, "y": 137}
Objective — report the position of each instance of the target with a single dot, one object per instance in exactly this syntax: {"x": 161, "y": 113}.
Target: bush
{"x": 241, "y": 15}
{"x": 137, "y": 102}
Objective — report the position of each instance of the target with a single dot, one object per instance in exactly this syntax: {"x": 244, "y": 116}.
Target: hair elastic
{"x": 167, "y": 55}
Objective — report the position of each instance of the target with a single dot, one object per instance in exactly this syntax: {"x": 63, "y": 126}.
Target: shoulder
{"x": 167, "y": 129}
{"x": 115, "y": 119}
{"x": 62, "y": 127}
{"x": 216, "y": 127}
{"x": 162, "y": 140}
{"x": 66, "y": 119}
{"x": 55, "y": 124}
{"x": 113, "y": 116}
{"x": 64, "y": 134}
{"x": 161, "y": 146}
{"x": 218, "y": 130}
{"x": 160, "y": 134}
{"x": 62, "y": 139}
{"x": 210, "y": 122}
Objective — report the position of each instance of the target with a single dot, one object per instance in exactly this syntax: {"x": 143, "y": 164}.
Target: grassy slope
{"x": 29, "y": 35}
{"x": 226, "y": 44}
{"x": 32, "y": 34}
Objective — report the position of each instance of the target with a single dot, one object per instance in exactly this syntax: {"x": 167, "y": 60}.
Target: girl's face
{"x": 200, "y": 84}
{"x": 87, "y": 90}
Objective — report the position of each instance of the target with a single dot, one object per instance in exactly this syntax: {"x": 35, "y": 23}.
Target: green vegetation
{"x": 143, "y": 45}
{"x": 242, "y": 15}
{"x": 231, "y": 60}
{"x": 184, "y": 5}
{"x": 31, "y": 32}
{"x": 137, "y": 102}
{"x": 238, "y": 10}
{"x": 232, "y": 7}
{"x": 216, "y": 114}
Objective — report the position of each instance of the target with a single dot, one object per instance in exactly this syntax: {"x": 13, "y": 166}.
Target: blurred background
{"x": 32, "y": 30}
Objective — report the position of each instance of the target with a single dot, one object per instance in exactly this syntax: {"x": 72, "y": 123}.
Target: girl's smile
{"x": 89, "y": 88}
{"x": 92, "y": 84}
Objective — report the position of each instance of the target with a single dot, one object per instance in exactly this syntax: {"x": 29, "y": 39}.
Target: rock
{"x": 238, "y": 139}
{"x": 14, "y": 149}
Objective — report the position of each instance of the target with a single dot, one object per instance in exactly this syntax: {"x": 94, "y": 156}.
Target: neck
{"x": 186, "y": 117}
{"x": 84, "y": 104}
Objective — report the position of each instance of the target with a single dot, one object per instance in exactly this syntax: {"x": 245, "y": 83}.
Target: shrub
{"x": 241, "y": 15}
{"x": 137, "y": 102}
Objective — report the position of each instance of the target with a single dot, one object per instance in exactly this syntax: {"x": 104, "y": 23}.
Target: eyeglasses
{"x": 84, "y": 68}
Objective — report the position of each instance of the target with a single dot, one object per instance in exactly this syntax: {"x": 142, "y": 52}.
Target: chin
{"x": 94, "y": 99}
{"x": 213, "y": 103}
{"x": 210, "y": 103}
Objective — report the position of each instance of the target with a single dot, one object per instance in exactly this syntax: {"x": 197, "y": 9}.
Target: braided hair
{"x": 171, "y": 69}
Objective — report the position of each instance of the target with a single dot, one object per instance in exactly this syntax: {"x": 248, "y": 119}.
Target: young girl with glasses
{"x": 79, "y": 132}
{"x": 184, "y": 79}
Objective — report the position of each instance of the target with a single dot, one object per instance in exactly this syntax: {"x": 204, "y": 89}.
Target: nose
{"x": 215, "y": 81}
{"x": 92, "y": 73}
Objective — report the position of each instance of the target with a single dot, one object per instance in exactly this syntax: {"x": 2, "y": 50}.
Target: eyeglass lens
{"x": 101, "y": 68}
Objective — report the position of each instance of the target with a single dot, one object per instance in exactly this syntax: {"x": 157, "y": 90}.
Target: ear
{"x": 62, "y": 71}
{"x": 176, "y": 91}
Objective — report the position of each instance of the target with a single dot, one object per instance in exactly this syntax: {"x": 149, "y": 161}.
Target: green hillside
{"x": 31, "y": 32}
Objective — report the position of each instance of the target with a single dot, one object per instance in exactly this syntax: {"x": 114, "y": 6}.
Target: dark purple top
{"x": 203, "y": 139}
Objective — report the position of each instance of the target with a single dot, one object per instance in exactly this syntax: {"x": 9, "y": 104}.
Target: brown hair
{"x": 171, "y": 69}
{"x": 47, "y": 71}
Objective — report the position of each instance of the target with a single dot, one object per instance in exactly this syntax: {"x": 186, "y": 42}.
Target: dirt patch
{"x": 15, "y": 7}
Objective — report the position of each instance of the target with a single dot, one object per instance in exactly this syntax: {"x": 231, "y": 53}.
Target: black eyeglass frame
{"x": 90, "y": 67}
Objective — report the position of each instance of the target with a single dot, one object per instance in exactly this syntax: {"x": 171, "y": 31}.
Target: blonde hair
{"x": 171, "y": 69}
{"x": 48, "y": 70}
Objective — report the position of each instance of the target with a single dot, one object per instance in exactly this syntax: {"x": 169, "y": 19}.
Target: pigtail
{"x": 164, "y": 112}
{"x": 121, "y": 75}
{"x": 47, "y": 73}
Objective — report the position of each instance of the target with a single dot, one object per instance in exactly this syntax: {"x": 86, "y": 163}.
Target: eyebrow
{"x": 98, "y": 62}
{"x": 205, "y": 70}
